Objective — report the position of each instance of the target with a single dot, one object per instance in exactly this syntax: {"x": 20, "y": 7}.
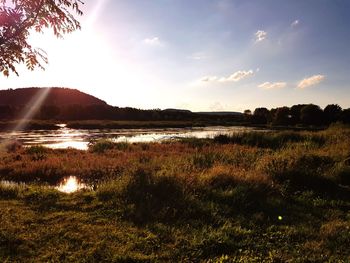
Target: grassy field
{"x": 254, "y": 197}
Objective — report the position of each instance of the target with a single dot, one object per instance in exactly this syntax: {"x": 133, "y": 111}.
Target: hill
{"x": 73, "y": 105}
{"x": 55, "y": 97}
{"x": 220, "y": 113}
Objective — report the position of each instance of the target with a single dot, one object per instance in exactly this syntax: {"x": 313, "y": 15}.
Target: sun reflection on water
{"x": 70, "y": 185}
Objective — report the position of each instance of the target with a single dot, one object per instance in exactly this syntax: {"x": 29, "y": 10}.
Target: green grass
{"x": 276, "y": 197}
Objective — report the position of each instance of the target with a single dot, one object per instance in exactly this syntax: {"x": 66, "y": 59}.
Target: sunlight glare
{"x": 34, "y": 104}
{"x": 70, "y": 185}
{"x": 92, "y": 61}
{"x": 85, "y": 60}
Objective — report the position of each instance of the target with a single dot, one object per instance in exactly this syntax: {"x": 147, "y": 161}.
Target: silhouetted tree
{"x": 282, "y": 116}
{"x": 295, "y": 113}
{"x": 260, "y": 116}
{"x": 311, "y": 115}
{"x": 332, "y": 113}
{"x": 345, "y": 116}
{"x": 18, "y": 17}
{"x": 247, "y": 115}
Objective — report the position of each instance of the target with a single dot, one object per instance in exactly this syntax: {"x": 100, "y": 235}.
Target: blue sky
{"x": 203, "y": 54}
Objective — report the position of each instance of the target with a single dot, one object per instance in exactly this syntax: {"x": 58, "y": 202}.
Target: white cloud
{"x": 311, "y": 81}
{"x": 154, "y": 41}
{"x": 209, "y": 78}
{"x": 295, "y": 23}
{"x": 260, "y": 35}
{"x": 274, "y": 85}
{"x": 237, "y": 76}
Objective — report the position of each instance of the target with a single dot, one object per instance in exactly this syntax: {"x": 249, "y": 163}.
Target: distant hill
{"x": 220, "y": 113}
{"x": 177, "y": 110}
{"x": 63, "y": 104}
{"x": 56, "y": 97}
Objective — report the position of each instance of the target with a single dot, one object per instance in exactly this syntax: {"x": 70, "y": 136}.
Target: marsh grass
{"x": 273, "y": 140}
{"x": 275, "y": 197}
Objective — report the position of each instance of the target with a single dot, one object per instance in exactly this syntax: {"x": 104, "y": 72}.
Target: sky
{"x": 202, "y": 55}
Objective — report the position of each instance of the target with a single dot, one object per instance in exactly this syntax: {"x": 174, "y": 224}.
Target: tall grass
{"x": 270, "y": 197}
{"x": 273, "y": 140}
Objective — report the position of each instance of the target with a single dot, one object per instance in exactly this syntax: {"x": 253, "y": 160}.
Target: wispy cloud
{"x": 209, "y": 78}
{"x": 295, "y": 23}
{"x": 311, "y": 81}
{"x": 154, "y": 41}
{"x": 273, "y": 85}
{"x": 260, "y": 35}
{"x": 235, "y": 77}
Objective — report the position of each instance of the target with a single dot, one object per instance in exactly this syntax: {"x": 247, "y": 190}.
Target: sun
{"x": 87, "y": 61}
{"x": 81, "y": 51}
{"x": 92, "y": 61}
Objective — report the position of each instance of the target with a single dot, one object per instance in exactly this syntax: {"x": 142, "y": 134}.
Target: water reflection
{"x": 6, "y": 183}
{"x": 70, "y": 185}
{"x": 79, "y": 139}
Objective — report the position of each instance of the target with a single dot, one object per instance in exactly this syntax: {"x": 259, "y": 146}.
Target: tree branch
{"x": 25, "y": 25}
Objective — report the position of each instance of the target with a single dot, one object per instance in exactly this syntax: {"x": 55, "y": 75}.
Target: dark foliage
{"x": 62, "y": 104}
{"x": 19, "y": 17}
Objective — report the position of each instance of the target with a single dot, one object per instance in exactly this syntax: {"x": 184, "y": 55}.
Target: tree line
{"x": 301, "y": 114}
{"x": 92, "y": 112}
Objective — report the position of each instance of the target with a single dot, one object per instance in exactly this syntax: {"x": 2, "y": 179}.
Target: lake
{"x": 79, "y": 139}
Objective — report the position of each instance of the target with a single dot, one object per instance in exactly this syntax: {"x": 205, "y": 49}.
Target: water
{"x": 70, "y": 184}
{"x": 79, "y": 139}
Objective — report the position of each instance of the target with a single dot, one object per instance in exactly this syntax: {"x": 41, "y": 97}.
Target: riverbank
{"x": 27, "y": 125}
{"x": 250, "y": 197}
{"x": 18, "y": 125}
{"x": 106, "y": 124}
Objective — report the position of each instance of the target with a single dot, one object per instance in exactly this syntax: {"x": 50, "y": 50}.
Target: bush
{"x": 142, "y": 196}
{"x": 195, "y": 142}
{"x": 204, "y": 160}
{"x": 121, "y": 146}
{"x": 222, "y": 139}
{"x": 101, "y": 146}
{"x": 301, "y": 172}
{"x": 13, "y": 146}
{"x": 37, "y": 152}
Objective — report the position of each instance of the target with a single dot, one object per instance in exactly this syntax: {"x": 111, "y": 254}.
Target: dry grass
{"x": 192, "y": 200}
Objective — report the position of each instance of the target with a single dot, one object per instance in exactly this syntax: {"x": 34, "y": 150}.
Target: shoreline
{"x": 7, "y": 126}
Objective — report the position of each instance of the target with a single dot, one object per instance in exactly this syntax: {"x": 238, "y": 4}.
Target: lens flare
{"x": 23, "y": 119}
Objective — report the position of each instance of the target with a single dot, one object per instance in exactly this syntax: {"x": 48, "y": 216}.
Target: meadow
{"x": 281, "y": 196}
